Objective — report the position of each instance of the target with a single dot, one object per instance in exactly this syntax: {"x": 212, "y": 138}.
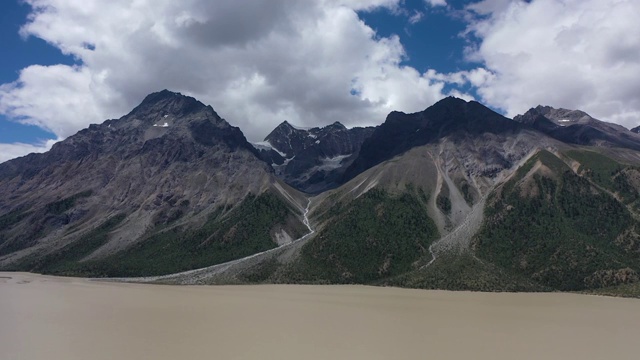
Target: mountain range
{"x": 453, "y": 197}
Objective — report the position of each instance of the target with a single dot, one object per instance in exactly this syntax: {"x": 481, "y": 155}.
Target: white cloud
{"x": 256, "y": 62}
{"x": 416, "y": 17}
{"x": 577, "y": 54}
{"x": 53, "y": 98}
{"x": 487, "y": 7}
{"x": 436, "y": 2}
{"x": 14, "y": 150}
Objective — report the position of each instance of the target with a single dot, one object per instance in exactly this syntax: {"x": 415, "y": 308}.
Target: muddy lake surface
{"x": 44, "y": 317}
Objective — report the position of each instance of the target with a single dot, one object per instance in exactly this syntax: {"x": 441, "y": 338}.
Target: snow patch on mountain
{"x": 266, "y": 145}
{"x": 300, "y": 127}
{"x": 333, "y": 162}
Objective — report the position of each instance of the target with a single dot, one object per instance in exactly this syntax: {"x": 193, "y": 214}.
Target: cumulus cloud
{"x": 257, "y": 62}
{"x": 51, "y": 97}
{"x": 14, "y": 150}
{"x": 577, "y": 54}
{"x": 436, "y": 2}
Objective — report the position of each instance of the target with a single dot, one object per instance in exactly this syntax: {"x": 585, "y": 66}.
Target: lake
{"x": 44, "y": 317}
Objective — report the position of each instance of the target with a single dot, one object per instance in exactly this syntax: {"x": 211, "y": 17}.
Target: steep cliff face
{"x": 313, "y": 159}
{"x": 170, "y": 163}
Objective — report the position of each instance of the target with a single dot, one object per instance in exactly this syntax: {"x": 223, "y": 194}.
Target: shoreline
{"x": 5, "y": 275}
{"x": 56, "y": 318}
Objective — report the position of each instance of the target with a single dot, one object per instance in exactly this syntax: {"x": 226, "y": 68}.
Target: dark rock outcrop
{"x": 401, "y": 132}
{"x": 313, "y": 159}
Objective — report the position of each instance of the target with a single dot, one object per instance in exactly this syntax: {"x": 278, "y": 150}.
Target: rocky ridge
{"x": 578, "y": 127}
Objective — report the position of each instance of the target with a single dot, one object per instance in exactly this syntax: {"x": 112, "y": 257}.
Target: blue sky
{"x": 434, "y": 42}
{"x": 259, "y": 62}
{"x": 20, "y": 53}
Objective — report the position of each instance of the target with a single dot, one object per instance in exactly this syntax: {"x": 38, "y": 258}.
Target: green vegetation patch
{"x": 50, "y": 217}
{"x": 7, "y": 221}
{"x": 559, "y": 235}
{"x": 546, "y": 158}
{"x": 444, "y": 203}
{"x": 624, "y": 290}
{"x": 463, "y": 272}
{"x": 65, "y": 261}
{"x": 261, "y": 273}
{"x": 599, "y": 168}
{"x": 243, "y": 231}
{"x": 467, "y": 192}
{"x": 376, "y": 236}
{"x": 61, "y": 206}
{"x": 609, "y": 174}
{"x": 11, "y": 218}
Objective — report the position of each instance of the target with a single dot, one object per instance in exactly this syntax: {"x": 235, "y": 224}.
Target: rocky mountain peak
{"x": 564, "y": 116}
{"x": 171, "y": 115}
{"x": 169, "y": 103}
{"x": 336, "y": 126}
{"x": 311, "y": 159}
{"x": 534, "y": 117}
{"x": 284, "y": 125}
{"x": 172, "y": 126}
{"x": 548, "y": 117}
{"x": 636, "y": 130}
{"x": 448, "y": 117}
{"x": 287, "y": 139}
{"x": 578, "y": 127}
{"x": 172, "y": 164}
{"x": 451, "y": 101}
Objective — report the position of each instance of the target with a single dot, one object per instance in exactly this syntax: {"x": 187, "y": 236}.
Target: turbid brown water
{"x": 52, "y": 318}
